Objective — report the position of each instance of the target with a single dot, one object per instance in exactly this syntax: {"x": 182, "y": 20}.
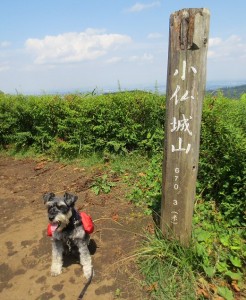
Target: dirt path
{"x": 25, "y": 255}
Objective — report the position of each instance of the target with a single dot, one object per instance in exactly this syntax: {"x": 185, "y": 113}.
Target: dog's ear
{"x": 48, "y": 196}
{"x": 70, "y": 199}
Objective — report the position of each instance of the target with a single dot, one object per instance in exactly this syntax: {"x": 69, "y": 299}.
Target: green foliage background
{"x": 78, "y": 125}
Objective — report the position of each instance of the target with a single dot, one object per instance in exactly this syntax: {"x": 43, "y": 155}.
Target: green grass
{"x": 167, "y": 268}
{"x": 131, "y": 164}
{"x": 212, "y": 266}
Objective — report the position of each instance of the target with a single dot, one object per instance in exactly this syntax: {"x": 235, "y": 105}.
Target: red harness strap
{"x": 87, "y": 223}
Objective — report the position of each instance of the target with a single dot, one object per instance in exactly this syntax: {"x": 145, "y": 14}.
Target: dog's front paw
{"x": 55, "y": 270}
{"x": 88, "y": 272}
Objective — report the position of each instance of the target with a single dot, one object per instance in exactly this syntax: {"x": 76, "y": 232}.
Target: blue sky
{"x": 76, "y": 45}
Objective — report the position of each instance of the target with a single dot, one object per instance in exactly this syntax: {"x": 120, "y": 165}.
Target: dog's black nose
{"x": 51, "y": 218}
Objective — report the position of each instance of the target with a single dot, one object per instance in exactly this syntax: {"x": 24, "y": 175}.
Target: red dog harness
{"x": 87, "y": 223}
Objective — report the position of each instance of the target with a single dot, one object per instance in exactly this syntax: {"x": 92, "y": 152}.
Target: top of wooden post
{"x": 190, "y": 26}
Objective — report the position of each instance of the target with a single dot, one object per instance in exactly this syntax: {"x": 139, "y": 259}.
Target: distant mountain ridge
{"x": 230, "y": 92}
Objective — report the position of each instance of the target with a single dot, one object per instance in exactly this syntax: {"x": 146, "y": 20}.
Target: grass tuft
{"x": 167, "y": 267}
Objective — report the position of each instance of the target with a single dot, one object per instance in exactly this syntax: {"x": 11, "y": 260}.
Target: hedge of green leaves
{"x": 74, "y": 125}
{"x": 222, "y": 166}
{"x": 222, "y": 163}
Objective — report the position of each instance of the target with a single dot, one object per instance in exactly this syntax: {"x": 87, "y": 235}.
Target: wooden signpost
{"x": 186, "y": 79}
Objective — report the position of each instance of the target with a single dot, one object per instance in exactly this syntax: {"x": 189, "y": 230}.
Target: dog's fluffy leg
{"x": 57, "y": 252}
{"x": 85, "y": 258}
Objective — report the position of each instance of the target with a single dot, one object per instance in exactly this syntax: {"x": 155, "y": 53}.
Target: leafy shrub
{"x": 102, "y": 184}
{"x": 76, "y": 125}
{"x": 71, "y": 125}
{"x": 220, "y": 247}
{"x": 147, "y": 191}
{"x": 222, "y": 165}
{"x": 8, "y": 120}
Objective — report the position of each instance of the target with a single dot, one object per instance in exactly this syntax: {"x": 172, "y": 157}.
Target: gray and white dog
{"x": 67, "y": 231}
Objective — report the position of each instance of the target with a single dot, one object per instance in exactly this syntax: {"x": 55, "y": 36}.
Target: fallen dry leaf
{"x": 202, "y": 292}
{"x": 151, "y": 287}
{"x": 141, "y": 174}
{"x": 115, "y": 217}
{"x": 214, "y": 288}
{"x": 39, "y": 166}
{"x": 150, "y": 228}
{"x": 235, "y": 286}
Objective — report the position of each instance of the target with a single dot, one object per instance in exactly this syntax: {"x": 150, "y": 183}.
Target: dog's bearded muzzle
{"x": 59, "y": 220}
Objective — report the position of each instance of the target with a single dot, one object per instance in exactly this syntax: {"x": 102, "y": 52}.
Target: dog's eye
{"x": 61, "y": 206}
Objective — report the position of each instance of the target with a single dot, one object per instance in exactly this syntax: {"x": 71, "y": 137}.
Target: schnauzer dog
{"x": 67, "y": 230}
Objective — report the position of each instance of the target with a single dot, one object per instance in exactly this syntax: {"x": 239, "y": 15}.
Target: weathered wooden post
{"x": 186, "y": 79}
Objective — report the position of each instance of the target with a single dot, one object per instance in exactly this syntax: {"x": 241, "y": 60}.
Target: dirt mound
{"x": 26, "y": 249}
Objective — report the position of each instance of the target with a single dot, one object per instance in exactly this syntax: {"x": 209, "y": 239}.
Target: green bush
{"x": 8, "y": 120}
{"x": 222, "y": 163}
{"x": 75, "y": 124}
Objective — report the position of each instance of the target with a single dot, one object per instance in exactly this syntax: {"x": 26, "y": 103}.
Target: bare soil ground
{"x": 25, "y": 255}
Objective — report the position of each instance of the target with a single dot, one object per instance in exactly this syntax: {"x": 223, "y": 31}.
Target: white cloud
{"x": 74, "y": 46}
{"x": 142, "y": 58}
{"x": 228, "y": 49}
{"x": 215, "y": 41}
{"x": 4, "y": 66}
{"x": 211, "y": 54}
{"x": 155, "y": 35}
{"x": 141, "y": 6}
{"x": 4, "y": 44}
{"x": 114, "y": 60}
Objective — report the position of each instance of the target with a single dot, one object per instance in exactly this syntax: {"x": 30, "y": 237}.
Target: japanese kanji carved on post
{"x": 186, "y": 79}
